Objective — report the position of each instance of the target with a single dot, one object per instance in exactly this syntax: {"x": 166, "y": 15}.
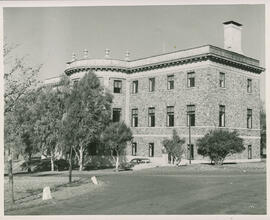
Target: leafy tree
{"x": 218, "y": 144}
{"x": 88, "y": 111}
{"x": 18, "y": 79}
{"x": 48, "y": 126}
{"x": 25, "y": 117}
{"x": 174, "y": 147}
{"x": 115, "y": 138}
{"x": 263, "y": 128}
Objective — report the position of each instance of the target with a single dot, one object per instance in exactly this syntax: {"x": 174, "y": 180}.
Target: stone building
{"x": 207, "y": 86}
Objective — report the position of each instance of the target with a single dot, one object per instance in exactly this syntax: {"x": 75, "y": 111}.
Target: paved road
{"x": 148, "y": 192}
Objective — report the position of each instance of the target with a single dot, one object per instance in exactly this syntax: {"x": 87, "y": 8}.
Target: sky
{"x": 49, "y": 36}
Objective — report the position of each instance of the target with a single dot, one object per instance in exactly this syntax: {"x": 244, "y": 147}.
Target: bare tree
{"x": 18, "y": 79}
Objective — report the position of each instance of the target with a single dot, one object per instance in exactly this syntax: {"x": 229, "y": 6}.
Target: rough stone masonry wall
{"x": 236, "y": 100}
{"x": 179, "y": 97}
{"x": 207, "y": 96}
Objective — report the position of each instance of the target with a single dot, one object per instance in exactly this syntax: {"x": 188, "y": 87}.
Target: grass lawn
{"x": 29, "y": 187}
{"x": 195, "y": 189}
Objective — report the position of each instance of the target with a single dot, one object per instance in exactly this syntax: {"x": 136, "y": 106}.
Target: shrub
{"x": 218, "y": 144}
{"x": 174, "y": 147}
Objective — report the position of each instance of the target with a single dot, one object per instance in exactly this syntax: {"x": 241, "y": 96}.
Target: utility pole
{"x": 189, "y": 137}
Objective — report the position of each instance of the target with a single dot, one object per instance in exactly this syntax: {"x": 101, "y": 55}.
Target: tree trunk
{"x": 81, "y": 158}
{"x": 117, "y": 162}
{"x": 172, "y": 159}
{"x": 29, "y": 163}
{"x": 10, "y": 176}
{"x": 70, "y": 166}
{"x": 52, "y": 163}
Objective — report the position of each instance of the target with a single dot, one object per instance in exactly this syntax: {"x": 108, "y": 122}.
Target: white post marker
{"x": 46, "y": 193}
{"x": 94, "y": 180}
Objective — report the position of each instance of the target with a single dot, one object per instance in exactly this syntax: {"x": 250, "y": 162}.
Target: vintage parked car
{"x": 139, "y": 160}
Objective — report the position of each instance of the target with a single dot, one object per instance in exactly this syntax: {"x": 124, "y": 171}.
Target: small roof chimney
{"x": 233, "y": 36}
{"x": 107, "y": 53}
{"x": 127, "y": 55}
{"x": 85, "y": 54}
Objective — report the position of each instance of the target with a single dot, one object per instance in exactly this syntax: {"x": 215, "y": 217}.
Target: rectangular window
{"x": 117, "y": 86}
{"x": 170, "y": 82}
{"x": 134, "y": 115}
{"x": 134, "y": 149}
{"x": 135, "y": 87}
{"x": 151, "y": 117}
{"x": 191, "y": 115}
{"x": 249, "y": 85}
{"x": 191, "y": 152}
{"x": 191, "y": 79}
{"x": 249, "y": 118}
{"x": 221, "y": 116}
{"x": 222, "y": 80}
{"x": 116, "y": 114}
{"x": 151, "y": 84}
{"x": 170, "y": 116}
{"x": 151, "y": 149}
{"x": 249, "y": 152}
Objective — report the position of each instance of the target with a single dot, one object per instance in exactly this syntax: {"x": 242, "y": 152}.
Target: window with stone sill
{"x": 151, "y": 117}
{"x": 249, "y": 85}
{"x": 249, "y": 152}
{"x": 191, "y": 115}
{"x": 221, "y": 116}
{"x": 134, "y": 117}
{"x": 135, "y": 85}
{"x": 222, "y": 80}
{"x": 170, "y": 82}
{"x": 190, "y": 79}
{"x": 249, "y": 118}
{"x": 170, "y": 116}
{"x": 151, "y": 84}
{"x": 117, "y": 86}
{"x": 151, "y": 150}
{"x": 116, "y": 115}
{"x": 134, "y": 149}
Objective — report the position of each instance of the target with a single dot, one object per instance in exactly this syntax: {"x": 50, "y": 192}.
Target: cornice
{"x": 209, "y": 52}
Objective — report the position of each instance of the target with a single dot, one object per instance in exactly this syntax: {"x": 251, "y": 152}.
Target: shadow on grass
{"x": 226, "y": 163}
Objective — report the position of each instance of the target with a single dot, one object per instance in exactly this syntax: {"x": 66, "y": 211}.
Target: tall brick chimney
{"x": 232, "y": 36}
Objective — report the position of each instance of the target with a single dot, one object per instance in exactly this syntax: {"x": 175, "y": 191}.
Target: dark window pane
{"x": 191, "y": 115}
{"x": 249, "y": 152}
{"x": 134, "y": 149}
{"x": 170, "y": 82}
{"x": 222, "y": 80}
{"x": 152, "y": 84}
{"x": 249, "y": 118}
{"x": 191, "y": 79}
{"x": 116, "y": 114}
{"x": 151, "y": 149}
{"x": 134, "y": 122}
{"x": 221, "y": 116}
{"x": 117, "y": 85}
{"x": 170, "y": 116}
{"x": 249, "y": 85}
{"x": 135, "y": 86}
{"x": 151, "y": 117}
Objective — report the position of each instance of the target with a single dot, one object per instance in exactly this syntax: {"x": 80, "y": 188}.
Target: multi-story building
{"x": 206, "y": 87}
